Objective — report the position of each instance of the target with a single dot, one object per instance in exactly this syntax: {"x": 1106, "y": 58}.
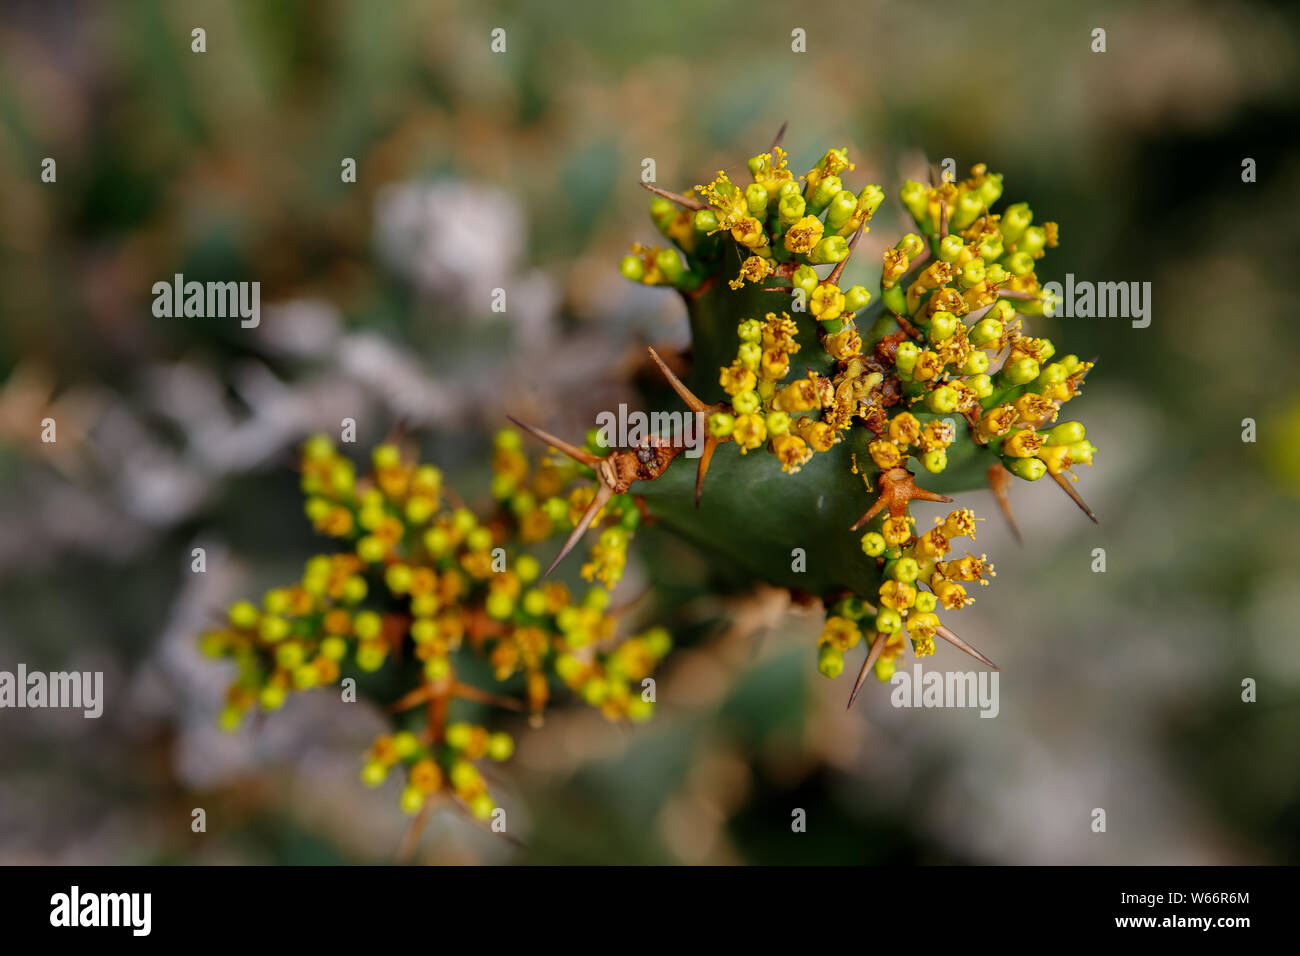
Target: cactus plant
{"x": 816, "y": 399}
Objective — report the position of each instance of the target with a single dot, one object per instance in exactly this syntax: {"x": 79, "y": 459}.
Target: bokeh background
{"x": 1119, "y": 690}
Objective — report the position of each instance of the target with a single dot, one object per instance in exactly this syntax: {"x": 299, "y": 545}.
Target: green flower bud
{"x": 942, "y": 326}
{"x": 990, "y": 248}
{"x": 412, "y": 800}
{"x": 888, "y": 621}
{"x": 778, "y": 423}
{"x": 1020, "y": 372}
{"x": 790, "y": 210}
{"x": 950, "y": 247}
{"x": 829, "y": 249}
{"x": 289, "y": 654}
{"x": 373, "y": 773}
{"x": 935, "y": 460}
{"x": 527, "y": 567}
{"x": 370, "y": 657}
{"x": 911, "y": 245}
{"x": 926, "y": 602}
{"x": 318, "y": 448}
{"x": 745, "y": 403}
{"x": 805, "y": 277}
{"x": 905, "y": 357}
{"x": 534, "y": 602}
{"x": 981, "y": 385}
{"x": 895, "y": 299}
{"x": 756, "y": 200}
{"x": 851, "y": 607}
{"x": 873, "y": 544}
{"x": 721, "y": 424}
{"x": 499, "y": 605}
{"x": 942, "y": 400}
{"x": 977, "y": 363}
{"x": 705, "y": 221}
{"x": 855, "y": 298}
{"x": 273, "y": 628}
{"x": 841, "y": 208}
{"x": 830, "y": 661}
{"x": 750, "y": 354}
{"x": 367, "y": 625}
{"x": 482, "y": 807}
{"x": 355, "y": 589}
{"x": 827, "y": 189}
{"x": 1030, "y": 469}
{"x": 1082, "y": 451}
{"x": 905, "y": 570}
{"x": 1033, "y": 241}
{"x": 639, "y": 710}
{"x": 243, "y": 615}
{"x": 670, "y": 264}
{"x": 870, "y": 199}
{"x": 987, "y": 331}
{"x": 386, "y": 456}
{"x": 917, "y": 200}
{"x": 500, "y": 747}
{"x": 437, "y": 669}
{"x": 371, "y": 549}
{"x": 398, "y": 578}
{"x": 972, "y": 273}
{"x": 1015, "y": 220}
{"x": 968, "y": 207}
{"x": 1020, "y": 263}
{"x": 1066, "y": 433}
{"x": 272, "y": 697}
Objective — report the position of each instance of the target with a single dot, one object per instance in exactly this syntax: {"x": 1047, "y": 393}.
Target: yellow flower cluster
{"x": 909, "y": 563}
{"x": 444, "y": 584}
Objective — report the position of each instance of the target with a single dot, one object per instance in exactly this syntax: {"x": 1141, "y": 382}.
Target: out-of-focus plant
{"x": 420, "y": 580}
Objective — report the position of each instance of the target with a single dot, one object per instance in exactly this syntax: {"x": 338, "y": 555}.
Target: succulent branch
{"x": 908, "y": 375}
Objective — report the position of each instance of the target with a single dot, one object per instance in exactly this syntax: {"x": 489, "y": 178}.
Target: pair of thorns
{"x": 616, "y": 472}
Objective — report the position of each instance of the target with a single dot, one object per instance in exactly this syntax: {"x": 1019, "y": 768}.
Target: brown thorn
{"x": 710, "y": 445}
{"x": 871, "y": 512}
{"x": 684, "y": 393}
{"x": 678, "y": 198}
{"x": 999, "y": 481}
{"x": 897, "y": 488}
{"x": 603, "y": 494}
{"x": 780, "y": 135}
{"x": 580, "y": 455}
{"x": 960, "y": 644}
{"x": 413, "y": 833}
{"x": 834, "y": 277}
{"x": 877, "y": 646}
{"x": 414, "y": 698}
{"x": 1075, "y": 496}
{"x": 470, "y": 692}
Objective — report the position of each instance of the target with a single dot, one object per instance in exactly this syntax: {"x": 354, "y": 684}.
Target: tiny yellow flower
{"x": 803, "y": 235}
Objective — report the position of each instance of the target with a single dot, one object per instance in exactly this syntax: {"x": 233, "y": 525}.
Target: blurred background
{"x": 520, "y": 170}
